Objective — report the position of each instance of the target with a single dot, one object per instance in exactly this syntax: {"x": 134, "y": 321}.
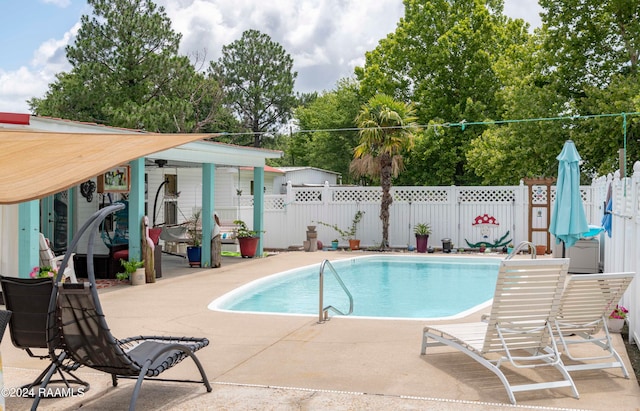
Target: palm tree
{"x": 387, "y": 129}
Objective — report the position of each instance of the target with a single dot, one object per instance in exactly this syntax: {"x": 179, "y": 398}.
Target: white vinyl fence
{"x": 622, "y": 250}
{"x": 452, "y": 212}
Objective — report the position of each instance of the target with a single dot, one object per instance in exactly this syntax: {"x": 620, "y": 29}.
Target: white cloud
{"x": 325, "y": 38}
{"x": 51, "y": 54}
{"x": 18, "y": 86}
{"x": 60, "y": 3}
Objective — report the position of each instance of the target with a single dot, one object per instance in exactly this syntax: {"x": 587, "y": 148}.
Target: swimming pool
{"x": 394, "y": 287}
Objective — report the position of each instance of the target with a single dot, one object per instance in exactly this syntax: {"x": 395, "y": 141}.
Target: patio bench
{"x": 228, "y": 232}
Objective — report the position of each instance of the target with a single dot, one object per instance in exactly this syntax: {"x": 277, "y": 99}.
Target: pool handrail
{"x": 323, "y": 313}
{"x": 520, "y": 246}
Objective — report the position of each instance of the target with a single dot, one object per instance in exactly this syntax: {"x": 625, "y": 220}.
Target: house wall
{"x": 226, "y": 200}
{"x": 8, "y": 243}
{"x": 304, "y": 176}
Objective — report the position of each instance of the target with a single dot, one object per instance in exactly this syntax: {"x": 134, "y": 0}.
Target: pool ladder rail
{"x": 520, "y": 247}
{"x": 323, "y": 312}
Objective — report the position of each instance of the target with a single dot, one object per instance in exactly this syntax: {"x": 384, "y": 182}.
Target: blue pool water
{"x": 382, "y": 286}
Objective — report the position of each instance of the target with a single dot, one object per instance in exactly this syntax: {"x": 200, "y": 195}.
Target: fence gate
{"x": 539, "y": 210}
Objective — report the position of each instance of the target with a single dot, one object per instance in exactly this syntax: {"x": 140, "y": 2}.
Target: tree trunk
{"x": 385, "y": 182}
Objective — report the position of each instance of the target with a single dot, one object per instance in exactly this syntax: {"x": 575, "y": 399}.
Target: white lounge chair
{"x": 48, "y": 258}
{"x": 586, "y": 303}
{"x": 519, "y": 328}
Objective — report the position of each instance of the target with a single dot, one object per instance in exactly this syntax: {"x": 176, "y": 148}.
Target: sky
{"x": 325, "y": 38}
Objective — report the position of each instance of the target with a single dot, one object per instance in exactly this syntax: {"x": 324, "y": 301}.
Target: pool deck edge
{"x": 287, "y": 363}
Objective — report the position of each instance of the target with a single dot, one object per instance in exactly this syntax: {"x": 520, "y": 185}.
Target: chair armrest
{"x": 70, "y": 270}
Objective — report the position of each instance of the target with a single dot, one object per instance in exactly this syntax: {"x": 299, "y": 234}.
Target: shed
{"x": 301, "y": 176}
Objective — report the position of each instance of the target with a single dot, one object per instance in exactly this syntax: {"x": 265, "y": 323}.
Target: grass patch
{"x": 237, "y": 254}
{"x": 231, "y": 253}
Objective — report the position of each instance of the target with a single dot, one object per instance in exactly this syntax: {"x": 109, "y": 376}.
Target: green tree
{"x": 441, "y": 57}
{"x": 256, "y": 74}
{"x": 387, "y": 131}
{"x": 126, "y": 72}
{"x": 328, "y": 136}
{"x": 591, "y": 41}
{"x": 593, "y": 49}
{"x": 600, "y": 139}
{"x": 507, "y": 152}
{"x": 582, "y": 62}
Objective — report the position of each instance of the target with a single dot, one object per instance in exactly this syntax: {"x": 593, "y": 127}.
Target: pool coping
{"x": 224, "y": 300}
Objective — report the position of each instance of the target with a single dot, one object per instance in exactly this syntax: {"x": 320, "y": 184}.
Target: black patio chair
{"x": 28, "y": 300}
{"x": 77, "y": 321}
{"x": 5, "y": 315}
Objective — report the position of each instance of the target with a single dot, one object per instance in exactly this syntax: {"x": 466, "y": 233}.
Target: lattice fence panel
{"x": 274, "y": 202}
{"x": 539, "y": 194}
{"x": 246, "y": 201}
{"x": 420, "y": 195}
{"x": 584, "y": 193}
{"x": 306, "y": 195}
{"x": 491, "y": 195}
{"x": 367, "y": 195}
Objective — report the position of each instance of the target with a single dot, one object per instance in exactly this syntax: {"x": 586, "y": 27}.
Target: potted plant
{"x": 248, "y": 239}
{"x": 422, "y": 231}
{"x": 615, "y": 322}
{"x": 133, "y": 270}
{"x": 194, "y": 251}
{"x": 350, "y": 234}
{"x": 334, "y": 244}
{"x": 43, "y": 272}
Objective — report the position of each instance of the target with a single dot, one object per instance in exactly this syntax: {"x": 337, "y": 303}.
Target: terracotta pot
{"x": 541, "y": 249}
{"x": 354, "y": 244}
{"x": 248, "y": 246}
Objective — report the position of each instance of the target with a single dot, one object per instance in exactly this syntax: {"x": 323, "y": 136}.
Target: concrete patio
{"x": 268, "y": 362}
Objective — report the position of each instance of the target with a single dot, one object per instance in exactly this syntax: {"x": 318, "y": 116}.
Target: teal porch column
{"x": 136, "y": 209}
{"x": 258, "y": 205}
{"x": 28, "y": 241}
{"x": 208, "y": 184}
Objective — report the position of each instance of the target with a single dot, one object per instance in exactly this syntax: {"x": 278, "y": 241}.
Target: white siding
{"x": 226, "y": 184}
